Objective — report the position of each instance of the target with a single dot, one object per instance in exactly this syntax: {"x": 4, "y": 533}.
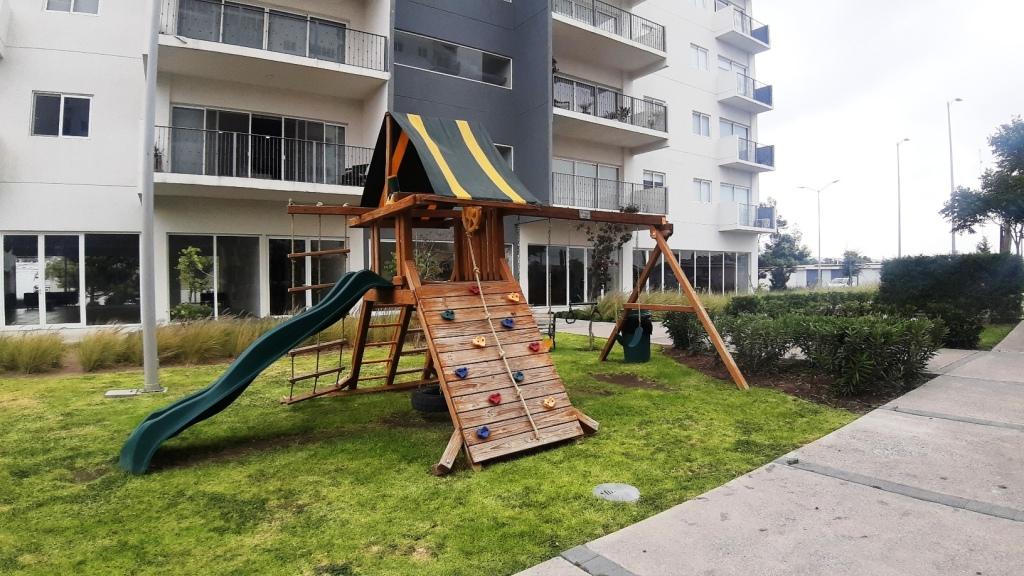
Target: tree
{"x": 782, "y": 253}
{"x": 853, "y": 263}
{"x": 1001, "y": 198}
{"x": 193, "y": 271}
{"x": 605, "y": 241}
{"x": 984, "y": 247}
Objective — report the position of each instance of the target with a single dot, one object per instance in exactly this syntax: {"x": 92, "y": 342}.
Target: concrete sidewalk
{"x": 603, "y": 329}
{"x": 930, "y": 484}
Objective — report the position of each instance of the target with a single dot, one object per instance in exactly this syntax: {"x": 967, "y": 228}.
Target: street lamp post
{"x": 899, "y": 202}
{"x": 818, "y": 191}
{"x": 952, "y": 186}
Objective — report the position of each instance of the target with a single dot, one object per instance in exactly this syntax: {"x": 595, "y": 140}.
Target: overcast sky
{"x": 851, "y": 78}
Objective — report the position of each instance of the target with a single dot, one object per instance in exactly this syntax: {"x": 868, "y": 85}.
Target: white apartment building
{"x": 647, "y": 103}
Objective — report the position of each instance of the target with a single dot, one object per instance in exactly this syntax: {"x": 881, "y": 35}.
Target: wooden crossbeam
{"x": 318, "y": 253}
{"x": 658, "y": 307}
{"x": 295, "y": 289}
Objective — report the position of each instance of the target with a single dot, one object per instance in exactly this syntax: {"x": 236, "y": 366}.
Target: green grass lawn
{"x": 341, "y": 486}
{"x": 993, "y": 334}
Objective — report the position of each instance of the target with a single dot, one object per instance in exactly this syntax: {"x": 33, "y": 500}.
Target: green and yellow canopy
{"x": 440, "y": 156}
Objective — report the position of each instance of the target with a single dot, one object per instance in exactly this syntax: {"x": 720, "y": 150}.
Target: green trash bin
{"x": 635, "y": 336}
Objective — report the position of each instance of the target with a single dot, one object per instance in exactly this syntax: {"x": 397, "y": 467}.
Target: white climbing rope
{"x": 501, "y": 349}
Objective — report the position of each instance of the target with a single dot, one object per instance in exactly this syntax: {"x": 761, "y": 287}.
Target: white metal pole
{"x": 149, "y": 346}
{"x": 899, "y": 203}
{"x": 819, "y": 238}
{"x": 952, "y": 185}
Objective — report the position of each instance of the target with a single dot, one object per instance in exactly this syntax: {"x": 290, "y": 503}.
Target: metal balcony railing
{"x": 613, "y": 20}
{"x": 273, "y": 30}
{"x": 611, "y": 195}
{"x": 750, "y": 151}
{"x": 756, "y": 216}
{"x": 609, "y": 104}
{"x": 240, "y": 155}
{"x": 743, "y": 23}
{"x": 747, "y": 86}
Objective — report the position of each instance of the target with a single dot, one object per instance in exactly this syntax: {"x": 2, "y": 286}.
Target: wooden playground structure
{"x": 479, "y": 340}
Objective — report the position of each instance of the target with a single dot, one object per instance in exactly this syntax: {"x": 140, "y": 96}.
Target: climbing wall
{"x": 477, "y": 386}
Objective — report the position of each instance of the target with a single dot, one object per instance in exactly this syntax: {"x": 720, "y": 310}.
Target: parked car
{"x": 840, "y": 283}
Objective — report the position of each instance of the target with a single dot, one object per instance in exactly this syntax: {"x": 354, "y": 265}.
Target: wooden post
{"x": 359, "y": 346}
{"x": 698, "y": 308}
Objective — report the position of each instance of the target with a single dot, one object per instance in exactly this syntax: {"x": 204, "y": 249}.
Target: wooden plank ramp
{"x": 469, "y": 398}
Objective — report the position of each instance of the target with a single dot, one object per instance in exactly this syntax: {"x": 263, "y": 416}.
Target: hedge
{"x": 848, "y": 303}
{"x": 964, "y": 290}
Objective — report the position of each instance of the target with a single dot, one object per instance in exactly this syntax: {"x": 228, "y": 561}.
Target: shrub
{"x": 862, "y": 354}
{"x": 759, "y": 342}
{"x": 186, "y": 312}
{"x": 686, "y": 332}
{"x": 845, "y": 303}
{"x": 963, "y": 290}
{"x": 32, "y": 353}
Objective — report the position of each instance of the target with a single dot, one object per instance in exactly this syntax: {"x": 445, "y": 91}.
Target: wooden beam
{"x": 583, "y": 215}
{"x": 451, "y": 451}
{"x": 633, "y": 296}
{"x": 383, "y": 212}
{"x": 702, "y": 314}
{"x": 390, "y": 296}
{"x": 659, "y": 307}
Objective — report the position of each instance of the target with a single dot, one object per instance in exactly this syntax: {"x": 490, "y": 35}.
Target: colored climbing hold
{"x": 494, "y": 398}
{"x": 518, "y": 376}
{"x": 549, "y": 403}
{"x": 508, "y": 323}
{"x": 514, "y": 297}
{"x": 483, "y": 432}
{"x": 534, "y": 346}
{"x": 474, "y": 289}
{"x": 480, "y": 342}
{"x": 448, "y": 315}
{"x": 462, "y": 372}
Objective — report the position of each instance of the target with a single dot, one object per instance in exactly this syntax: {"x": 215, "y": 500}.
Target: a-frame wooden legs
{"x": 695, "y": 307}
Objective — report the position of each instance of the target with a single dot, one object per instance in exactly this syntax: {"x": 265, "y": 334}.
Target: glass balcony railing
{"x": 613, "y": 20}
{"x": 240, "y": 155}
{"x": 743, "y": 23}
{"x": 609, "y": 104}
{"x": 274, "y": 31}
{"x": 611, "y": 195}
{"x": 750, "y": 151}
{"x": 755, "y": 216}
{"x": 747, "y": 86}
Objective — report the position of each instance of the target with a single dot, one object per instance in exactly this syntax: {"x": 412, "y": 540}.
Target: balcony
{"x": 740, "y": 91}
{"x": 211, "y": 163}
{"x": 753, "y": 218}
{"x": 599, "y": 33}
{"x": 588, "y": 193}
{"x": 736, "y": 28}
{"x": 597, "y": 114}
{"x": 744, "y": 154}
{"x": 259, "y": 46}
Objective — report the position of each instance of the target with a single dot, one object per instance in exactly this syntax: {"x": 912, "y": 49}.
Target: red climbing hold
{"x": 534, "y": 346}
{"x": 474, "y": 289}
{"x": 494, "y": 398}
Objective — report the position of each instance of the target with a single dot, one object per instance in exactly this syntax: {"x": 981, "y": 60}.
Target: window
{"x": 733, "y": 193}
{"x": 701, "y": 124}
{"x": 699, "y": 57}
{"x": 654, "y": 179}
{"x": 60, "y": 115}
{"x": 79, "y": 6}
{"x": 434, "y": 55}
{"x": 507, "y": 153}
{"x": 731, "y": 65}
{"x": 61, "y": 279}
{"x": 563, "y": 274}
{"x": 226, "y": 279}
{"x": 581, "y": 184}
{"x": 730, "y": 128}
{"x": 701, "y": 190}
{"x": 701, "y": 4}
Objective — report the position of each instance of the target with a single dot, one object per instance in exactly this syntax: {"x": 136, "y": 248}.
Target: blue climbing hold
{"x": 448, "y": 315}
{"x": 462, "y": 372}
{"x": 518, "y": 376}
{"x": 483, "y": 432}
{"x": 508, "y": 323}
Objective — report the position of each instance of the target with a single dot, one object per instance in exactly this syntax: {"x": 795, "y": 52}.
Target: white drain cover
{"x": 617, "y": 492}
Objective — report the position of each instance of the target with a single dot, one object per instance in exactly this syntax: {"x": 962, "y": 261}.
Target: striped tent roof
{"x": 440, "y": 156}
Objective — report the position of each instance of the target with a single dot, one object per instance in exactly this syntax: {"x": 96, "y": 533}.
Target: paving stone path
{"x": 932, "y": 483}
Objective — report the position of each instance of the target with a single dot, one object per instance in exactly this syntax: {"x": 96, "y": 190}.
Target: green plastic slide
{"x": 168, "y": 422}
